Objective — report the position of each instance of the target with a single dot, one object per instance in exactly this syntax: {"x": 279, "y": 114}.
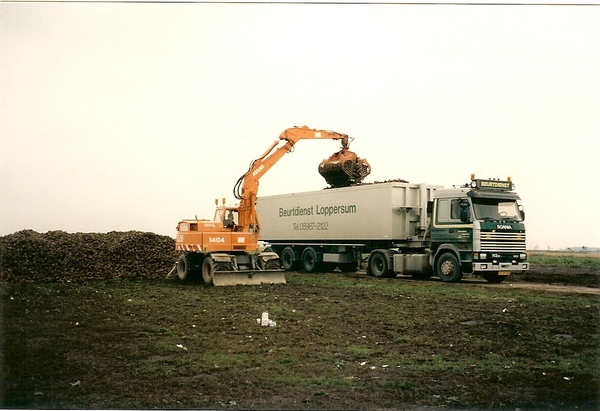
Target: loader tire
{"x": 184, "y": 267}
{"x": 208, "y": 268}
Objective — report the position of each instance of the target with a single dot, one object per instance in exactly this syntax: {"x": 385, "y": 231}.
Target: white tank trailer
{"x": 400, "y": 228}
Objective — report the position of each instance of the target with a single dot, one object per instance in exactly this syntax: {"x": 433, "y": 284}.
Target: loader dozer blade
{"x": 344, "y": 168}
{"x": 248, "y": 277}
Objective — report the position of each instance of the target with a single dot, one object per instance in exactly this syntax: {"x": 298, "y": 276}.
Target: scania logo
{"x": 503, "y": 227}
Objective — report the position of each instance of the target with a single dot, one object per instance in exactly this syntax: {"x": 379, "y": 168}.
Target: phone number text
{"x": 320, "y": 225}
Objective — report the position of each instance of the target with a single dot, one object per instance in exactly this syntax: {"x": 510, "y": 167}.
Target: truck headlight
{"x": 523, "y": 256}
{"x": 483, "y": 256}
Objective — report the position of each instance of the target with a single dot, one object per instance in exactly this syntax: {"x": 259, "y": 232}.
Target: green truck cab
{"x": 478, "y": 228}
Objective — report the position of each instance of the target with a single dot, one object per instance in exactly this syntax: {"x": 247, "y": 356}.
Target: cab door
{"x": 451, "y": 222}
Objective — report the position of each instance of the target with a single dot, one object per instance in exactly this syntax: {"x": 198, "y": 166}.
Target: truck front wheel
{"x": 378, "y": 266}
{"x": 448, "y": 268}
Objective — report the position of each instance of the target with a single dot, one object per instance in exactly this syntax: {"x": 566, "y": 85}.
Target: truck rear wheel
{"x": 287, "y": 259}
{"x": 378, "y": 265}
{"x": 208, "y": 268}
{"x": 448, "y": 268}
{"x": 309, "y": 260}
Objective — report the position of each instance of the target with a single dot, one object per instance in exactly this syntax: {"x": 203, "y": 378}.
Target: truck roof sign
{"x": 492, "y": 185}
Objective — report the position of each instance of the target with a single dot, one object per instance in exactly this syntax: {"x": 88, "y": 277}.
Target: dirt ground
{"x": 340, "y": 342}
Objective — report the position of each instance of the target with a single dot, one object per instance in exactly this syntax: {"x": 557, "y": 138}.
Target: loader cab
{"x": 228, "y": 216}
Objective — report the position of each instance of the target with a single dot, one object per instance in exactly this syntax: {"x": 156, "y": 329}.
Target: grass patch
{"x": 562, "y": 259}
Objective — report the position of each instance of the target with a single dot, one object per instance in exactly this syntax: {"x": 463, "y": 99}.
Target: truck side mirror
{"x": 522, "y": 210}
{"x": 429, "y": 207}
{"x": 465, "y": 212}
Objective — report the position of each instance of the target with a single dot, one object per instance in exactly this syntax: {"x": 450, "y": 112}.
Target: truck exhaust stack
{"x": 344, "y": 168}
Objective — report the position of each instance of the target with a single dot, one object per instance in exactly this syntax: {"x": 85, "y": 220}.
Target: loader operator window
{"x": 494, "y": 209}
{"x": 230, "y": 220}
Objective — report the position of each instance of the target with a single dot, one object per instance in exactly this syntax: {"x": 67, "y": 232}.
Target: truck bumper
{"x": 502, "y": 268}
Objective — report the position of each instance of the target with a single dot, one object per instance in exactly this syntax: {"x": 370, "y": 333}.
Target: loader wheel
{"x": 272, "y": 265}
{"x": 287, "y": 259}
{"x": 208, "y": 268}
{"x": 309, "y": 260}
{"x": 184, "y": 267}
{"x": 378, "y": 266}
{"x": 448, "y": 269}
{"x": 266, "y": 262}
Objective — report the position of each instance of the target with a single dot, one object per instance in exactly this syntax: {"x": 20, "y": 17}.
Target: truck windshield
{"x": 496, "y": 209}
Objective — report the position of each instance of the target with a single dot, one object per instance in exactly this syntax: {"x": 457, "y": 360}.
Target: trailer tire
{"x": 287, "y": 259}
{"x": 309, "y": 260}
{"x": 448, "y": 268}
{"x": 208, "y": 268}
{"x": 378, "y": 265}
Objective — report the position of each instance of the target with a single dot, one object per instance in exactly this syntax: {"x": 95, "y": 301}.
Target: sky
{"x": 133, "y": 116}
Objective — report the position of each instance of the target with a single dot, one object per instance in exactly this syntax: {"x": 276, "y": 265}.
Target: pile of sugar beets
{"x": 59, "y": 256}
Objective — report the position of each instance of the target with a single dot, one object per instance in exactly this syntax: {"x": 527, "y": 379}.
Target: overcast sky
{"x": 117, "y": 117}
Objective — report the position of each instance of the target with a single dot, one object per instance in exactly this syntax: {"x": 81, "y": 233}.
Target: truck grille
{"x": 502, "y": 242}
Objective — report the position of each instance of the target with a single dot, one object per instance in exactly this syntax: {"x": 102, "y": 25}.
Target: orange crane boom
{"x": 246, "y": 189}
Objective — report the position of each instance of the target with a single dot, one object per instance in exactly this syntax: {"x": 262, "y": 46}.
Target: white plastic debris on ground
{"x": 264, "y": 320}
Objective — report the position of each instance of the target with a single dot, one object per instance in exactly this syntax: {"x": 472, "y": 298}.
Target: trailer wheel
{"x": 309, "y": 260}
{"x": 378, "y": 265}
{"x": 287, "y": 259}
{"x": 448, "y": 268}
{"x": 493, "y": 277}
{"x": 208, "y": 268}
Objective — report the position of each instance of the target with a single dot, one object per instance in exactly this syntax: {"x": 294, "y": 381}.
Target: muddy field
{"x": 105, "y": 333}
